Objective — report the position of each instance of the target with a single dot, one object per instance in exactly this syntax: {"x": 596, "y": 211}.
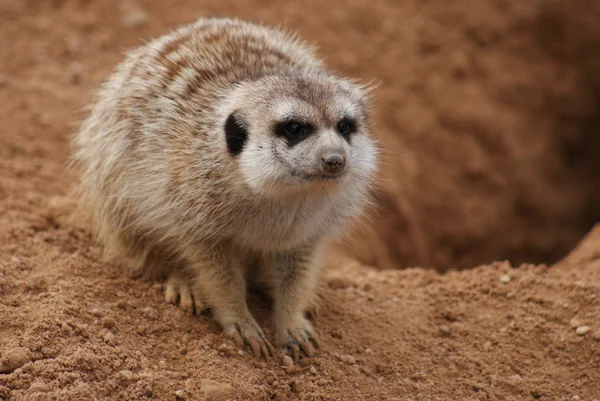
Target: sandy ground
{"x": 489, "y": 113}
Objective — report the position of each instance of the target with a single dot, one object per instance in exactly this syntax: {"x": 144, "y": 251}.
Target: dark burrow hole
{"x": 569, "y": 37}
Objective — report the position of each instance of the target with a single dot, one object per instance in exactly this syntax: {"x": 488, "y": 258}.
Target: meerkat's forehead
{"x": 330, "y": 109}
{"x": 315, "y": 97}
{"x": 318, "y": 99}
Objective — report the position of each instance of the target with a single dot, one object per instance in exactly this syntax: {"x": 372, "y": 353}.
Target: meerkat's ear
{"x": 236, "y": 134}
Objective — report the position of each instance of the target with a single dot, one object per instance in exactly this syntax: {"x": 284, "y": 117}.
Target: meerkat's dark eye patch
{"x": 293, "y": 131}
{"x": 346, "y": 127}
{"x": 235, "y": 134}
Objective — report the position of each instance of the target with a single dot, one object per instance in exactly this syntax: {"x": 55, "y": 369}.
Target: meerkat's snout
{"x": 333, "y": 160}
{"x": 333, "y": 163}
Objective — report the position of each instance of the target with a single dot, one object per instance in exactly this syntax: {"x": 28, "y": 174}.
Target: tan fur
{"x": 168, "y": 197}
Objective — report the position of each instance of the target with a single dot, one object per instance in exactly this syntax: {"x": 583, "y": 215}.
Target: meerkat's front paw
{"x": 179, "y": 291}
{"x": 298, "y": 337}
{"x": 247, "y": 331}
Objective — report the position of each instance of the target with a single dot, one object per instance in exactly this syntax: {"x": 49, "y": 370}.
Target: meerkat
{"x": 224, "y": 153}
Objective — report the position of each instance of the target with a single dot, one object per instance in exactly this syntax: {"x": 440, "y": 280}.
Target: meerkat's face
{"x": 293, "y": 133}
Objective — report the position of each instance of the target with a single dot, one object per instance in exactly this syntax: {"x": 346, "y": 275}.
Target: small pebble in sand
{"x": 179, "y": 393}
{"x": 576, "y": 398}
{"x": 583, "y": 330}
{"x": 39, "y": 387}
{"x": 109, "y": 338}
{"x": 270, "y": 377}
{"x": 348, "y": 359}
{"x": 575, "y": 323}
{"x": 312, "y": 370}
{"x": 367, "y": 372}
{"x": 217, "y": 391}
{"x": 304, "y": 362}
{"x": 128, "y": 374}
{"x": 287, "y": 361}
{"x": 97, "y": 312}
{"x": 13, "y": 359}
{"x": 444, "y": 330}
{"x": 505, "y": 279}
{"x": 151, "y": 313}
{"x": 479, "y": 386}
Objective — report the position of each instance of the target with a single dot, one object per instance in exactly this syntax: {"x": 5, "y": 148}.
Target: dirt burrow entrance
{"x": 492, "y": 141}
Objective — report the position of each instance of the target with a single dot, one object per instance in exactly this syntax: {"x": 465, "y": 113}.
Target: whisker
{"x": 327, "y": 195}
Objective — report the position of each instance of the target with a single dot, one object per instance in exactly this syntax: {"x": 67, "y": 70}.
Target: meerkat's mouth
{"x": 317, "y": 177}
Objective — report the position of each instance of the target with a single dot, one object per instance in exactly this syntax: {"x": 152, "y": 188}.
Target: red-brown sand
{"x": 489, "y": 113}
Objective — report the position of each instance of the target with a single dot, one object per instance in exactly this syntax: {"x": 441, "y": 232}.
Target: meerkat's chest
{"x": 277, "y": 226}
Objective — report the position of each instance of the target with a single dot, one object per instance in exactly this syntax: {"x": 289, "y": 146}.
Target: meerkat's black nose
{"x": 333, "y": 163}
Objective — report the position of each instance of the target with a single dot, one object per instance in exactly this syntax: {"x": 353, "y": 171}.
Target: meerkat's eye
{"x": 292, "y": 128}
{"x": 346, "y": 126}
{"x": 294, "y": 131}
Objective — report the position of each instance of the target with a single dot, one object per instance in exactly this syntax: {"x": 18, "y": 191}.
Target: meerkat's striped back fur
{"x": 209, "y": 157}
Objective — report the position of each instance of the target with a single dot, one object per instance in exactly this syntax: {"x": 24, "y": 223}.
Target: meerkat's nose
{"x": 333, "y": 163}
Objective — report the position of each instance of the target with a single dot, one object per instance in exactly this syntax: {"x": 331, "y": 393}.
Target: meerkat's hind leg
{"x": 181, "y": 290}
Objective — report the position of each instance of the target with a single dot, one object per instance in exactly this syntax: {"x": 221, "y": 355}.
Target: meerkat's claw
{"x": 308, "y": 348}
{"x": 293, "y": 346}
{"x": 178, "y": 292}
{"x": 270, "y": 347}
{"x": 306, "y": 340}
{"x": 301, "y": 340}
{"x": 252, "y": 335}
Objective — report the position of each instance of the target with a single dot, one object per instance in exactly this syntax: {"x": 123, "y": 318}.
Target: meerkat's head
{"x": 299, "y": 132}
